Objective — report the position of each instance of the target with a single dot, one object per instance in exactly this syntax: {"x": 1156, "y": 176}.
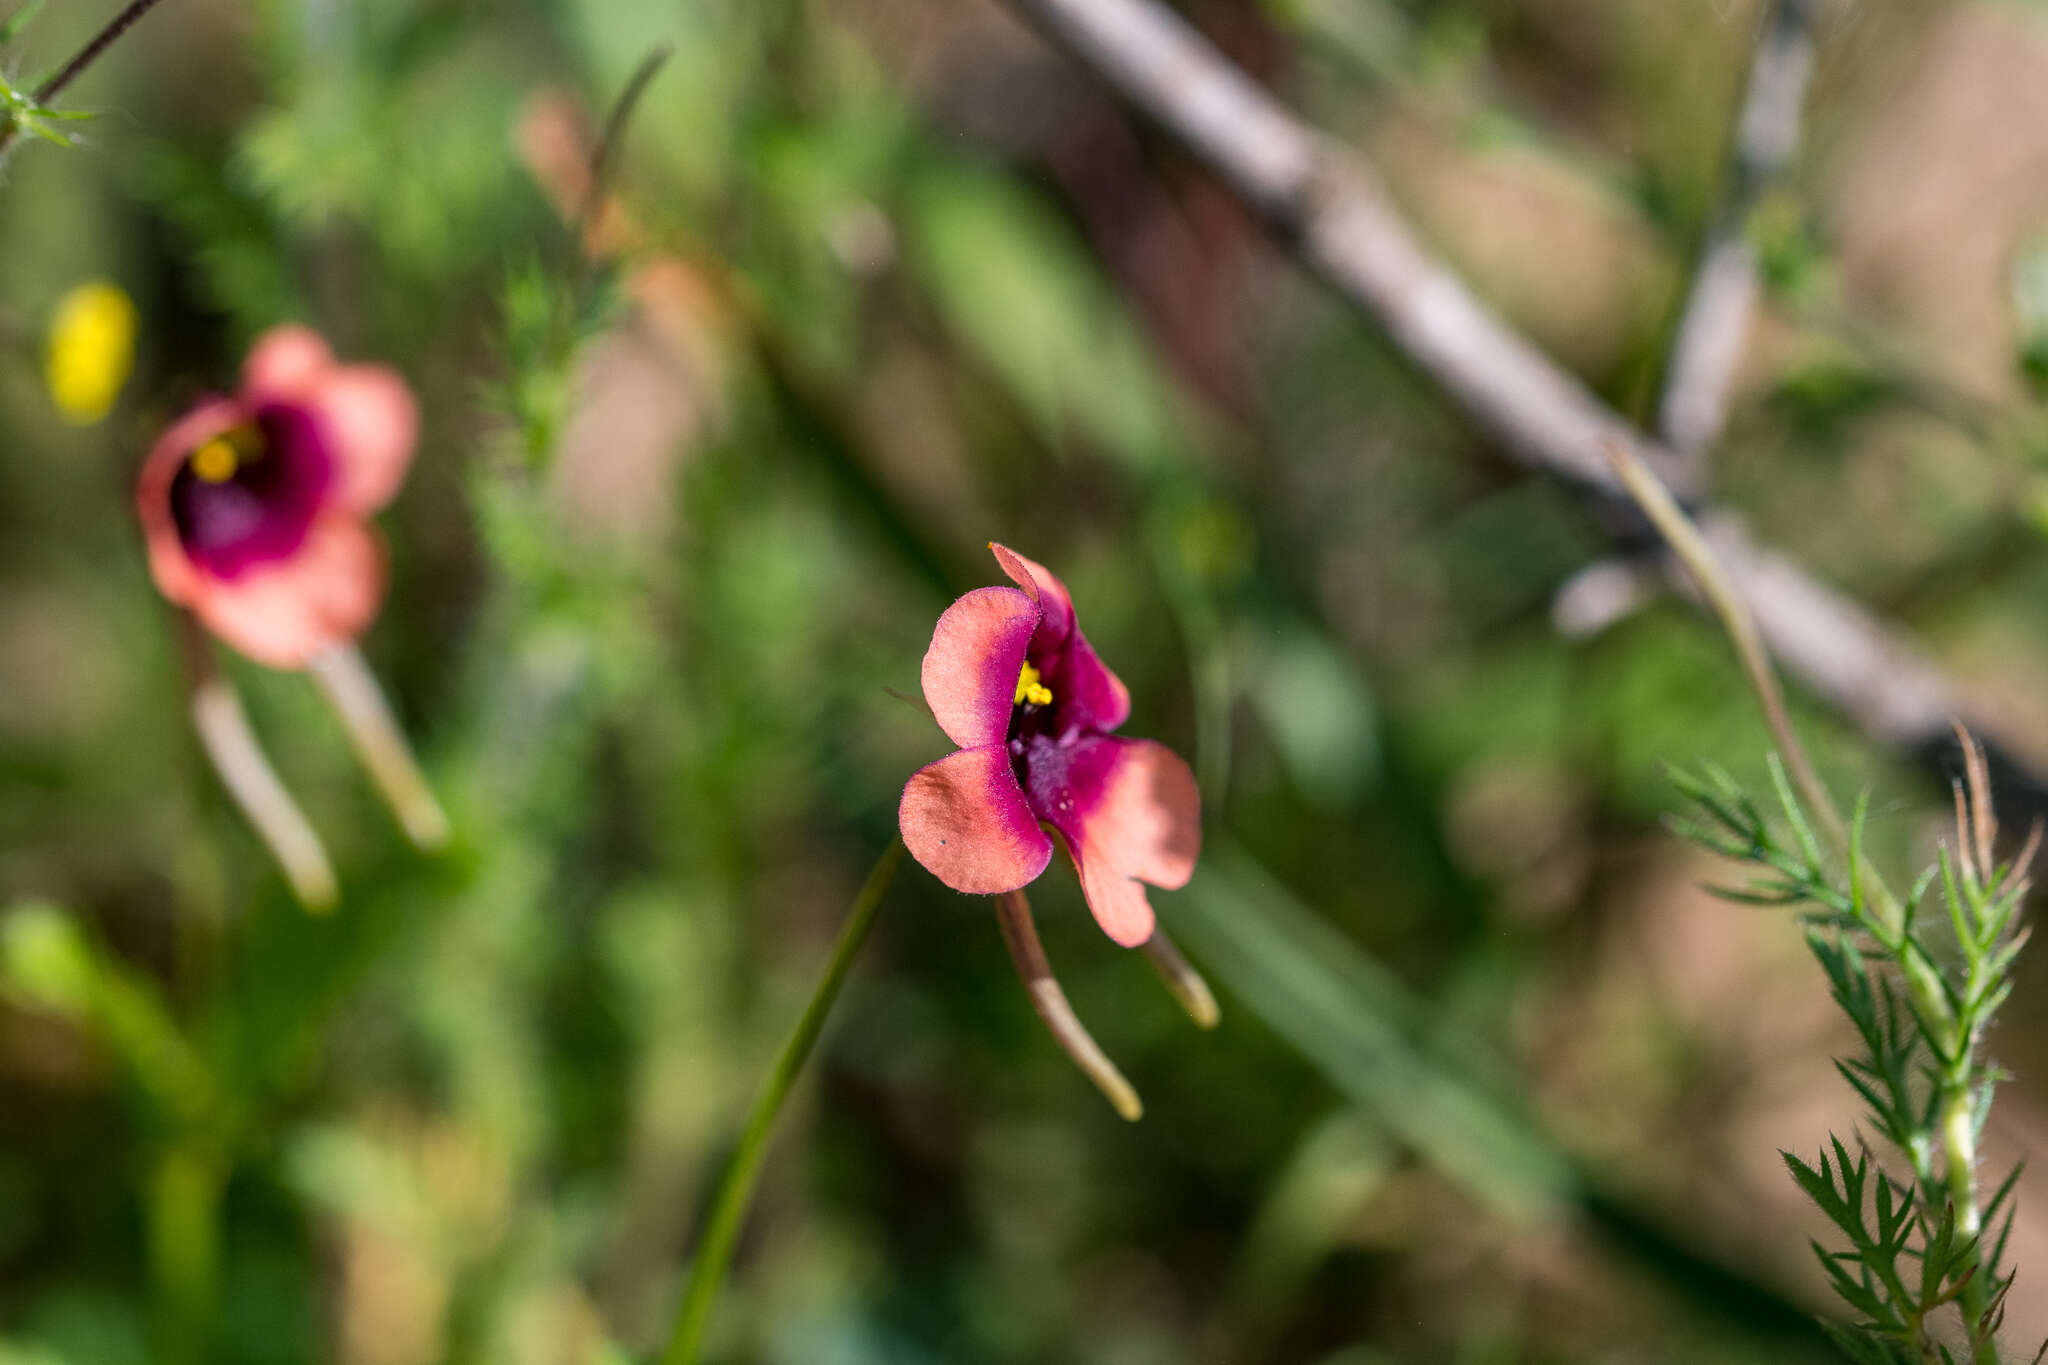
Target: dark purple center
{"x": 260, "y": 512}
{"x": 1039, "y": 735}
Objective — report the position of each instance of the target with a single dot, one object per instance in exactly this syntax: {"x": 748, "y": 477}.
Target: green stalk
{"x": 1959, "y": 1143}
{"x": 183, "y": 1217}
{"x": 736, "y": 1189}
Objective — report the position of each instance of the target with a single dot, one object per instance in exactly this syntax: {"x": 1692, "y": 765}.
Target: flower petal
{"x": 1118, "y": 903}
{"x": 1042, "y": 587}
{"x": 970, "y": 671}
{"x": 283, "y": 613}
{"x": 177, "y": 578}
{"x": 1090, "y": 694}
{"x": 965, "y": 818}
{"x": 1128, "y": 811}
{"x": 366, "y": 411}
{"x": 284, "y": 363}
{"x": 371, "y": 419}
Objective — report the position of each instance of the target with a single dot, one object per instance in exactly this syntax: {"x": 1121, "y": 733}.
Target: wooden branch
{"x": 1713, "y": 327}
{"x": 1712, "y": 330}
{"x": 1335, "y": 214}
{"x": 1331, "y": 211}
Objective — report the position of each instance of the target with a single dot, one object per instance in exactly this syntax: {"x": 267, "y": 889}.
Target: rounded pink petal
{"x": 1040, "y": 584}
{"x": 1128, "y": 811}
{"x": 1146, "y": 818}
{"x": 1117, "y": 902}
{"x": 285, "y": 362}
{"x": 369, "y": 414}
{"x": 970, "y": 671}
{"x": 965, "y": 818}
{"x": 176, "y": 576}
{"x": 1088, "y": 691}
{"x": 282, "y": 614}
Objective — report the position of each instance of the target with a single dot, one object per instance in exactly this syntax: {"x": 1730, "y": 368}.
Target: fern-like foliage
{"x": 1919, "y": 1254}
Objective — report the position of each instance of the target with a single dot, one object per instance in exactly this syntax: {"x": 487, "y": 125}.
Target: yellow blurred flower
{"x": 91, "y": 350}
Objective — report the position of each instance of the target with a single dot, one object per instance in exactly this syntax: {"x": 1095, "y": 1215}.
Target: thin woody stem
{"x": 606, "y": 152}
{"x": 1692, "y": 549}
{"x": 373, "y": 732}
{"x": 1332, "y": 214}
{"x": 1020, "y": 936}
{"x": 1182, "y": 979}
{"x": 94, "y": 49}
{"x": 1707, "y": 346}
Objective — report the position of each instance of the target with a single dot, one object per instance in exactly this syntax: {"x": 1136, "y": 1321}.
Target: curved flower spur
{"x": 1012, "y": 680}
{"x": 255, "y": 510}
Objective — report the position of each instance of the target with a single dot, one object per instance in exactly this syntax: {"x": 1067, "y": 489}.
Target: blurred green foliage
{"x": 684, "y": 511}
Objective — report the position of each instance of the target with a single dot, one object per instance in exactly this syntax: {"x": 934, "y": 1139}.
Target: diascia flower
{"x": 255, "y": 506}
{"x": 1012, "y": 680}
{"x": 255, "y": 511}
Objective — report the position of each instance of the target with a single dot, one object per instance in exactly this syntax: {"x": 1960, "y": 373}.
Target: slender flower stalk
{"x": 1692, "y": 549}
{"x": 1020, "y": 936}
{"x": 232, "y": 748}
{"x": 736, "y": 1187}
{"x": 351, "y": 688}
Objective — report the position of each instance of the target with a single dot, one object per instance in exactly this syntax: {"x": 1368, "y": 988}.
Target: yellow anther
{"x": 216, "y": 461}
{"x": 1029, "y": 689}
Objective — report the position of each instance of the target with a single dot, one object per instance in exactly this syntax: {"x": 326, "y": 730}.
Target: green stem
{"x": 184, "y": 1248}
{"x": 736, "y": 1189}
{"x": 1959, "y": 1144}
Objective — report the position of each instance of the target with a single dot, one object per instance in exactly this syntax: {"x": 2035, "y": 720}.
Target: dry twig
{"x": 1331, "y": 212}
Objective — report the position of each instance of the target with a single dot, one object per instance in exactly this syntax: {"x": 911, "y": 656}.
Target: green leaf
{"x": 1860, "y": 1346}
{"x": 1354, "y": 1020}
{"x": 18, "y": 21}
{"x": 1011, "y": 280}
{"x": 1793, "y": 813}
{"x": 53, "y": 964}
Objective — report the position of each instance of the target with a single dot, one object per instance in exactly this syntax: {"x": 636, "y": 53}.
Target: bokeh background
{"x": 883, "y": 280}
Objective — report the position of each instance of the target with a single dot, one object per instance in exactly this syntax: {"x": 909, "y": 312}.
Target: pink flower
{"x": 1012, "y": 680}
{"x": 255, "y": 507}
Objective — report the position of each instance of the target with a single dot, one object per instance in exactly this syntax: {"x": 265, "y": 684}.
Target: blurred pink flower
{"x": 255, "y": 507}
{"x": 1012, "y": 680}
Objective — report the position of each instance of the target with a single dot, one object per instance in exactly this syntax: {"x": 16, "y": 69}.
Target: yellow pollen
{"x": 1029, "y": 689}
{"x": 216, "y": 461}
